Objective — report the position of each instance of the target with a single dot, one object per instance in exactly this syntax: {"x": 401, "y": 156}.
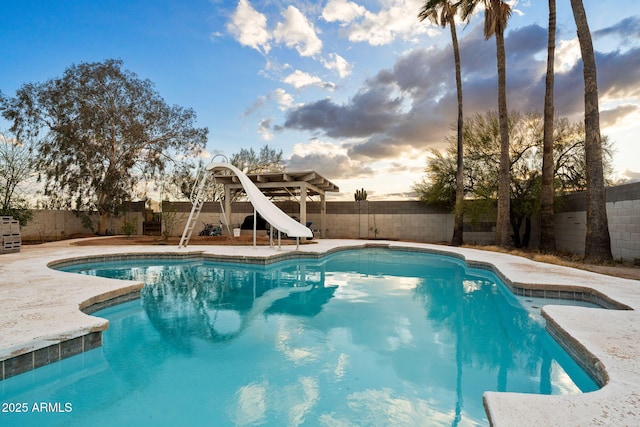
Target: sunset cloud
{"x": 412, "y": 104}
{"x": 328, "y": 159}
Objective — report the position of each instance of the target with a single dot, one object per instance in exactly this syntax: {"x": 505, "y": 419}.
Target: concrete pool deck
{"x": 40, "y": 309}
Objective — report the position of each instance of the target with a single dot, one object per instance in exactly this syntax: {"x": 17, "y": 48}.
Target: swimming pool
{"x": 358, "y": 337}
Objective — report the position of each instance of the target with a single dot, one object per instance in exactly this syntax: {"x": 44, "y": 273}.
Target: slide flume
{"x": 270, "y": 212}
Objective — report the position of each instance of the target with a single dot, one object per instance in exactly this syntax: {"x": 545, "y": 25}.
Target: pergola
{"x": 300, "y": 185}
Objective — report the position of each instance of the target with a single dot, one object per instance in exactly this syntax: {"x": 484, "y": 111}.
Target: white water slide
{"x": 270, "y": 212}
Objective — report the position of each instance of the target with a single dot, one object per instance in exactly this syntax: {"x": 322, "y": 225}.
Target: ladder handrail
{"x": 199, "y": 176}
{"x": 201, "y": 181}
{"x": 202, "y": 176}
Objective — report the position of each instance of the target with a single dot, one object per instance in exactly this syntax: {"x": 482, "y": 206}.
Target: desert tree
{"x": 266, "y": 160}
{"x": 15, "y": 172}
{"x": 482, "y": 151}
{"x": 99, "y": 131}
{"x": 181, "y": 180}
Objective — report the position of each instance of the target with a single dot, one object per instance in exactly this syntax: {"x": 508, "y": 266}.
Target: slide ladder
{"x": 197, "y": 201}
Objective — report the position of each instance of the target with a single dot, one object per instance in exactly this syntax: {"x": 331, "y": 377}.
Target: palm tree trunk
{"x": 597, "y": 241}
{"x": 503, "y": 235}
{"x": 547, "y": 222}
{"x": 457, "y": 238}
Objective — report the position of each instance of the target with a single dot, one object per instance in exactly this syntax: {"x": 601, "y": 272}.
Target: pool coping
{"x": 45, "y": 316}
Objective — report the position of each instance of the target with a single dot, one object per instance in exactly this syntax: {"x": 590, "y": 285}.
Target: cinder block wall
{"x": 395, "y": 220}
{"x": 60, "y": 224}
{"x": 623, "y": 214}
{"x": 624, "y": 228}
{"x": 403, "y": 220}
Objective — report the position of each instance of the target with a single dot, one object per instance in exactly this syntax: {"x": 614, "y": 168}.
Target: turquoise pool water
{"x": 367, "y": 337}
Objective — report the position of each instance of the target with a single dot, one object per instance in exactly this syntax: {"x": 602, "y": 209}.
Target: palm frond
{"x": 438, "y": 12}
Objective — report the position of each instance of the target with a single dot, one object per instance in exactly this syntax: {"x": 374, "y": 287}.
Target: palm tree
{"x": 547, "y": 223}
{"x": 443, "y": 12}
{"x": 597, "y": 241}
{"x": 496, "y": 15}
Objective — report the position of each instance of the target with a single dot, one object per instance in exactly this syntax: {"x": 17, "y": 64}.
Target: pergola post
{"x": 323, "y": 216}
{"x": 227, "y": 207}
{"x": 303, "y": 203}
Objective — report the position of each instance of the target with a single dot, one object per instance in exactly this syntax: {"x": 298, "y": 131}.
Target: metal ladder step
{"x": 197, "y": 202}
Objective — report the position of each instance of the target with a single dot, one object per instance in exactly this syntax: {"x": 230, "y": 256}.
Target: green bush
{"x": 129, "y": 227}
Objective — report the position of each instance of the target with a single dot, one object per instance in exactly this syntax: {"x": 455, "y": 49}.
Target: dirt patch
{"x": 625, "y": 270}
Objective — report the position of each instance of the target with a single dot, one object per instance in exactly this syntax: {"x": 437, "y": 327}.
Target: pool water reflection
{"x": 367, "y": 337}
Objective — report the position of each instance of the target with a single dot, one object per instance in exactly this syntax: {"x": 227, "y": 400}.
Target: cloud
{"x": 283, "y": 99}
{"x": 378, "y": 148}
{"x": 525, "y": 42}
{"x": 258, "y": 104}
{"x": 300, "y": 80}
{"x": 619, "y": 73}
{"x": 404, "y": 167}
{"x": 370, "y": 111}
{"x": 331, "y": 166}
{"x": 297, "y": 32}
{"x": 338, "y": 63}
{"x": 618, "y": 115}
{"x": 280, "y": 96}
{"x": 342, "y": 11}
{"x": 249, "y": 27}
{"x": 397, "y": 19}
{"x": 410, "y": 107}
{"x": 631, "y": 176}
{"x": 627, "y": 30}
{"x": 395, "y": 111}
{"x": 214, "y": 36}
{"x": 264, "y": 129}
{"x": 328, "y": 159}
{"x": 567, "y": 55}
{"x": 407, "y": 107}
{"x": 477, "y": 55}
{"x": 612, "y": 83}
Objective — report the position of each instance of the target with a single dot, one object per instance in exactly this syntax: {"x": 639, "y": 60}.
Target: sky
{"x": 358, "y": 91}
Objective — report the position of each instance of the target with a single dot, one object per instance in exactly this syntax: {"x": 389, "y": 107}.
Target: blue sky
{"x": 357, "y": 90}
